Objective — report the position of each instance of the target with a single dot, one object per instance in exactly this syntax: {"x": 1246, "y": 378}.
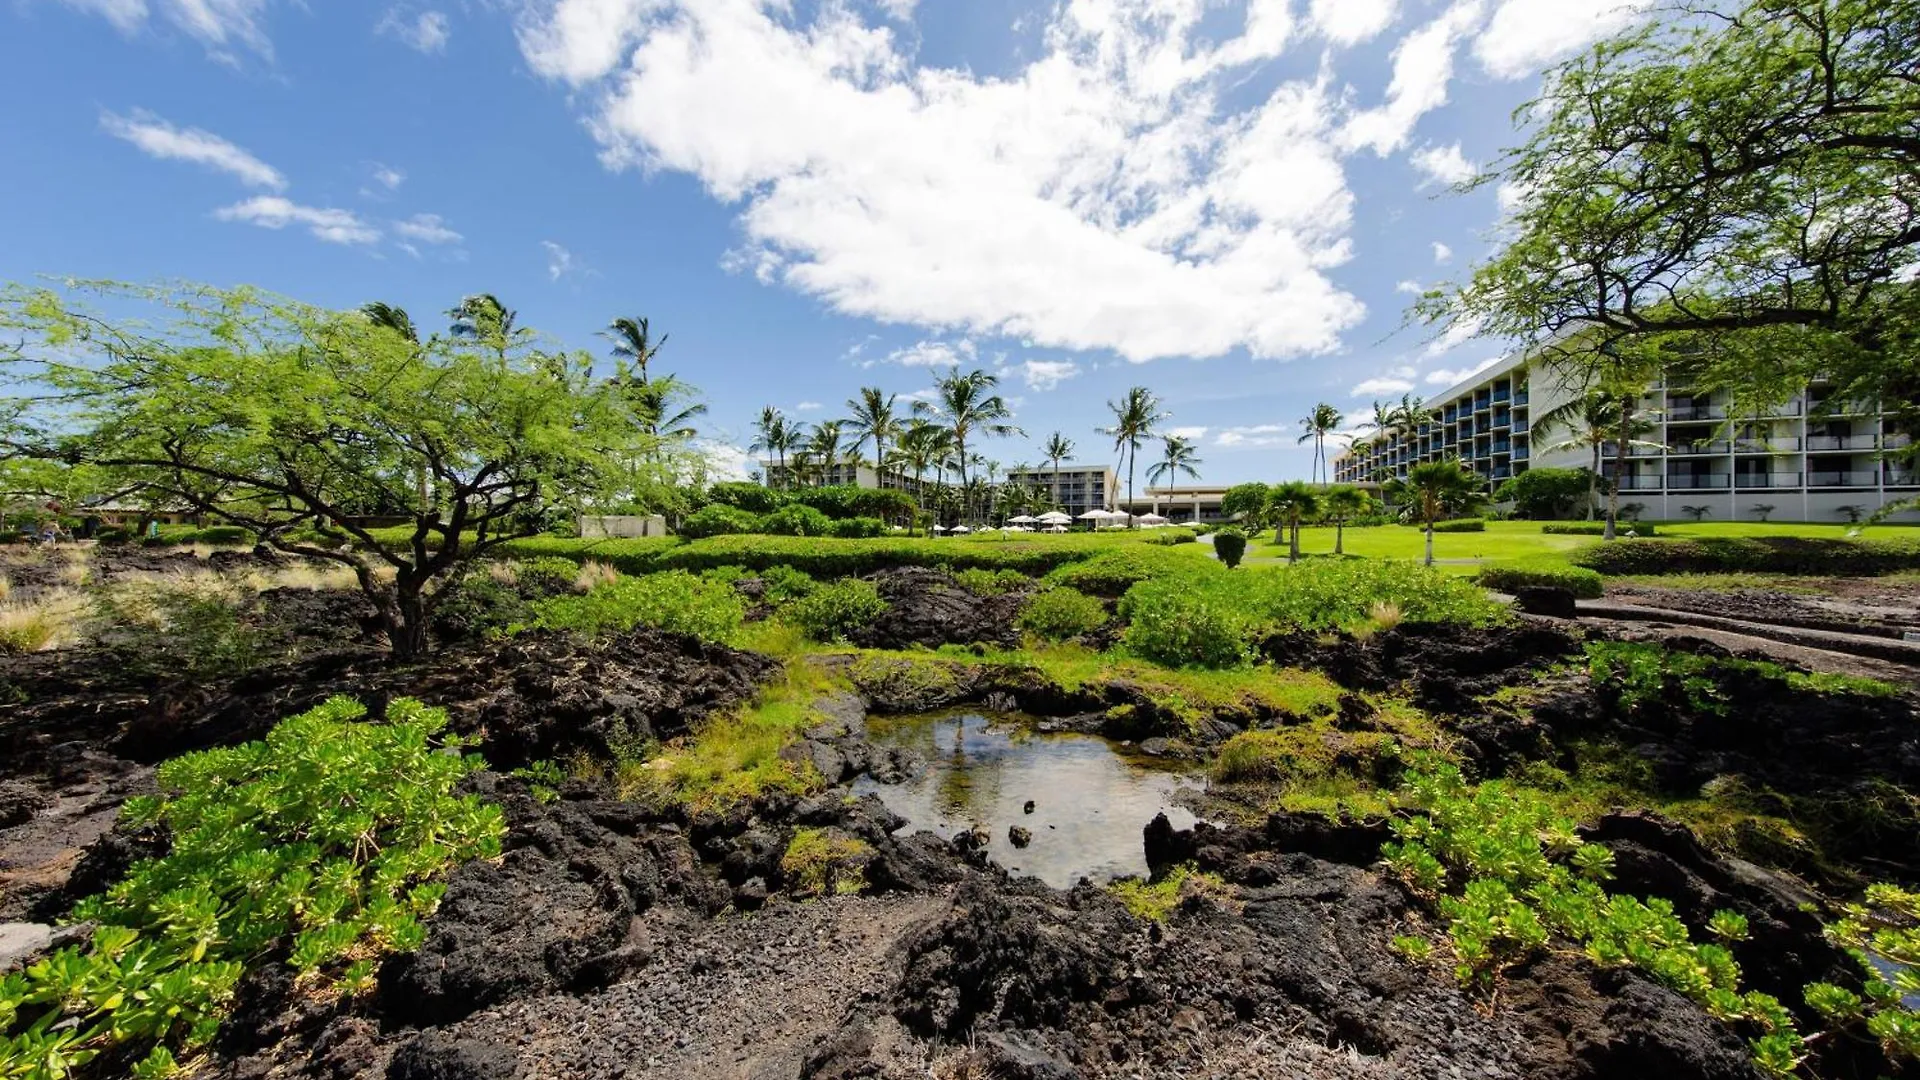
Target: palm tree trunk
{"x": 1429, "y": 539}
{"x": 1619, "y": 466}
{"x": 1293, "y": 541}
{"x": 1593, "y": 483}
{"x": 1340, "y": 536}
{"x": 1134, "y": 454}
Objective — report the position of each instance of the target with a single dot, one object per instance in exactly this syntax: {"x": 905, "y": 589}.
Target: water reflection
{"x": 1090, "y": 803}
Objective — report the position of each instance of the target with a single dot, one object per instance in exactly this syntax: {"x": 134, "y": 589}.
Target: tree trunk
{"x": 1130, "y": 521}
{"x": 1293, "y": 542}
{"x": 407, "y": 622}
{"x": 1339, "y": 537}
{"x": 1619, "y": 467}
{"x": 1593, "y": 484}
{"x": 1429, "y": 540}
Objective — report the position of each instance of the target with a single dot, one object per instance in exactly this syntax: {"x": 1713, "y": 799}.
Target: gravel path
{"x": 728, "y": 999}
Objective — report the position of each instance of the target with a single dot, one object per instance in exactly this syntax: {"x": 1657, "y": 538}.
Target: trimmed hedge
{"x": 1596, "y": 528}
{"x": 1460, "y": 525}
{"x": 1520, "y": 573}
{"x": 635, "y": 555}
{"x": 1759, "y": 554}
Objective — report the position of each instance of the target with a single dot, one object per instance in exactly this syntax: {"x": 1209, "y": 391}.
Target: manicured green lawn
{"x": 1518, "y": 539}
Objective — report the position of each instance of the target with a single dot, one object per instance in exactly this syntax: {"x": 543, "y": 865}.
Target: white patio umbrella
{"x": 958, "y": 529}
{"x": 1095, "y": 515}
{"x": 1022, "y": 519}
{"x": 1152, "y": 519}
{"x": 939, "y": 528}
{"x": 1054, "y": 517}
{"x": 1056, "y": 528}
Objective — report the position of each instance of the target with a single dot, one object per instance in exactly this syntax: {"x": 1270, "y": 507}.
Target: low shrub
{"x": 797, "y": 521}
{"x": 1461, "y": 525}
{"x": 830, "y": 611}
{"x": 1512, "y": 576}
{"x": 856, "y": 528}
{"x": 719, "y": 520}
{"x": 675, "y": 601}
{"x": 825, "y": 862}
{"x": 200, "y": 630}
{"x": 330, "y": 835}
{"x": 1231, "y": 546}
{"x": 826, "y": 558}
{"x": 635, "y": 555}
{"x": 1597, "y": 528}
{"x": 983, "y": 582}
{"x": 1171, "y": 537}
{"x": 1758, "y": 554}
{"x": 782, "y": 585}
{"x": 1174, "y": 624}
{"x": 114, "y": 534}
{"x": 1156, "y": 901}
{"x": 1060, "y": 613}
{"x": 1112, "y": 572}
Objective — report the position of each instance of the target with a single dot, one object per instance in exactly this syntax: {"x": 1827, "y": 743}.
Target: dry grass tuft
{"x": 48, "y": 622}
{"x": 594, "y": 574}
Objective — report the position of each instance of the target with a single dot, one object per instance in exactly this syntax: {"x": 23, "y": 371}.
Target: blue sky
{"x": 1223, "y": 200}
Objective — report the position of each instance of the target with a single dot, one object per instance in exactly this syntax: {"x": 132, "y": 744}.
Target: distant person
{"x": 153, "y": 529}
{"x": 50, "y": 532}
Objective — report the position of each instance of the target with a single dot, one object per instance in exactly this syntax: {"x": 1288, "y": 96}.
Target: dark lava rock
{"x": 1018, "y": 836}
{"x": 19, "y": 803}
{"x": 929, "y": 608}
{"x": 1027, "y": 809}
{"x": 1551, "y": 600}
{"x": 1007, "y": 1056}
{"x": 434, "y": 1056}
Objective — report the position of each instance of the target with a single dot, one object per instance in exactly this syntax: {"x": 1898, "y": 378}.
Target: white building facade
{"x": 1075, "y": 489}
{"x": 1812, "y": 459}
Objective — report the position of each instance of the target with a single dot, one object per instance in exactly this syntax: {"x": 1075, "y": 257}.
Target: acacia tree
{"x": 1746, "y": 176}
{"x": 294, "y": 421}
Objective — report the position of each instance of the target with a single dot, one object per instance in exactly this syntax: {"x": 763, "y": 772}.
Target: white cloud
{"x": 1150, "y": 217}
{"x": 560, "y": 261}
{"x": 1444, "y": 165}
{"x": 898, "y": 10}
{"x": 426, "y": 32}
{"x": 219, "y": 25}
{"x": 1444, "y": 377}
{"x": 1525, "y": 36}
{"x": 1047, "y": 374}
{"x": 1350, "y": 22}
{"x": 275, "y": 212}
{"x": 1411, "y": 288}
{"x": 808, "y": 406}
{"x": 725, "y": 461}
{"x": 1442, "y": 254}
{"x": 1458, "y": 334}
{"x": 1255, "y": 437}
{"x": 428, "y": 229}
{"x": 1422, "y": 67}
{"x": 929, "y": 354}
{"x": 1511, "y": 196}
{"x": 1382, "y": 385}
{"x": 157, "y": 138}
{"x": 388, "y": 177}
{"x": 1193, "y": 433}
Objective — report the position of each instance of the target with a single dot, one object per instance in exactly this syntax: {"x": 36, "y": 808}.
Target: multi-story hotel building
{"x": 1075, "y": 489}
{"x": 1812, "y": 459}
{"x": 856, "y": 473}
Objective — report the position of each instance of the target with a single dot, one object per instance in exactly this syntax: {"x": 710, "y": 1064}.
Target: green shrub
{"x": 329, "y": 834}
{"x": 825, "y": 862}
{"x": 1760, "y": 554}
{"x": 1461, "y": 525}
{"x": 1172, "y": 537}
{"x": 1639, "y": 676}
{"x": 797, "y": 521}
{"x": 1173, "y": 623}
{"x": 675, "y": 601}
{"x": 827, "y": 558}
{"x": 1597, "y": 528}
{"x": 636, "y": 555}
{"x": 179, "y": 631}
{"x": 983, "y": 582}
{"x": 719, "y": 520}
{"x": 856, "y": 528}
{"x": 545, "y": 575}
{"x": 1517, "y": 574}
{"x": 113, "y": 534}
{"x": 1112, "y": 572}
{"x": 1231, "y": 546}
{"x": 744, "y": 495}
{"x": 1060, "y": 613}
{"x": 830, "y": 611}
{"x": 784, "y": 584}
{"x": 1887, "y": 924}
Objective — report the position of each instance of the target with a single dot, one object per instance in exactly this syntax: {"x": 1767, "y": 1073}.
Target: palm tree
{"x": 633, "y": 345}
{"x": 1176, "y": 457}
{"x": 1323, "y": 420}
{"x": 393, "y": 318}
{"x": 772, "y": 435}
{"x": 657, "y": 406}
{"x": 922, "y": 446}
{"x": 1293, "y": 501}
{"x": 1437, "y": 485}
{"x": 823, "y": 448}
{"x": 1134, "y": 417}
{"x": 872, "y": 418}
{"x": 1383, "y": 418}
{"x": 966, "y": 406}
{"x": 1340, "y": 504}
{"x": 1590, "y": 421}
{"x": 1058, "y": 449}
{"x": 484, "y": 319}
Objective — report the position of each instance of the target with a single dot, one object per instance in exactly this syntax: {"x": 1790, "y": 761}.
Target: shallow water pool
{"x": 1090, "y": 801}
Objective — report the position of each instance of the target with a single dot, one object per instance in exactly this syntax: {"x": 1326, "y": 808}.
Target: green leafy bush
{"x": 1461, "y": 525}
{"x": 744, "y": 495}
{"x": 675, "y": 601}
{"x": 719, "y": 520}
{"x": 635, "y": 555}
{"x": 1174, "y": 624}
{"x": 330, "y": 834}
{"x": 1060, "y": 613}
{"x": 1642, "y": 676}
{"x": 1112, "y": 572}
{"x": 984, "y": 582}
{"x": 1518, "y": 574}
{"x": 830, "y": 611}
{"x": 797, "y": 521}
{"x": 1172, "y": 537}
{"x": 825, "y": 862}
{"x": 1231, "y": 546}
{"x": 1755, "y": 554}
{"x": 784, "y": 584}
{"x": 1887, "y": 926}
{"x": 1597, "y": 528}
{"x": 856, "y": 528}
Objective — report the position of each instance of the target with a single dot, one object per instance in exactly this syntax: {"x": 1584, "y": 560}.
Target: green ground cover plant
{"x": 984, "y": 582}
{"x": 675, "y": 601}
{"x": 1886, "y": 924}
{"x": 1061, "y": 613}
{"x": 1515, "y": 574}
{"x": 828, "y": 612}
{"x": 330, "y": 832}
{"x": 1646, "y": 675}
{"x": 825, "y": 862}
{"x": 1597, "y": 528}
{"x": 1507, "y": 872}
{"x": 1754, "y": 554}
{"x": 1156, "y": 901}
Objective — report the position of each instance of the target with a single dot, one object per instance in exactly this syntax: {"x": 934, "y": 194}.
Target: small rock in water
{"x": 1027, "y": 809}
{"x": 1019, "y": 837}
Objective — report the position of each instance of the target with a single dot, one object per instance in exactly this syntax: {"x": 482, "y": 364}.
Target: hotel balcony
{"x": 1758, "y": 481}
{"x": 1903, "y": 478}
{"x": 1607, "y": 451}
{"x": 1894, "y": 440}
{"x": 1850, "y": 479}
{"x": 1519, "y": 425}
{"x": 1520, "y": 453}
{"x": 1842, "y": 442}
{"x": 1697, "y": 412}
{"x": 1826, "y": 406}
{"x": 1642, "y": 483}
{"x": 1703, "y": 448}
{"x": 1501, "y": 397}
{"x": 1502, "y": 447}
{"x": 1520, "y": 398}
{"x": 1781, "y": 445}
{"x": 1698, "y": 481}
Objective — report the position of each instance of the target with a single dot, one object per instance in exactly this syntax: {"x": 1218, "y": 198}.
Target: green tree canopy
{"x": 295, "y": 421}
